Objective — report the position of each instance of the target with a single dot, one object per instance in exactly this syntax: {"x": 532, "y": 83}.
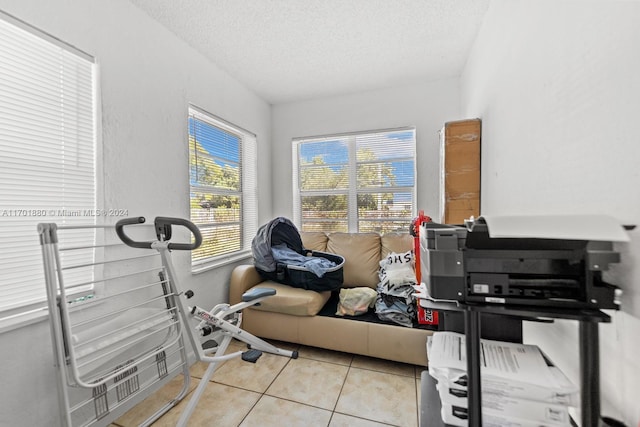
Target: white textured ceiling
{"x": 291, "y": 50}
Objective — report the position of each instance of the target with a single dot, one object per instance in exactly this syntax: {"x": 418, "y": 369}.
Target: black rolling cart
{"x": 588, "y": 319}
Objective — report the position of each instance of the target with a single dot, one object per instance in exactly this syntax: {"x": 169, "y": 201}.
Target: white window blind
{"x": 223, "y": 197}
{"x": 47, "y": 154}
{"x": 356, "y": 182}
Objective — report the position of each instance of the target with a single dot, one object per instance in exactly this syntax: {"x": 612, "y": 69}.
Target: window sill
{"x": 16, "y": 321}
{"x": 220, "y": 262}
{"x": 35, "y": 314}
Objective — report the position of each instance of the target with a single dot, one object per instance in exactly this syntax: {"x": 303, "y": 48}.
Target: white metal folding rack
{"x": 117, "y": 317}
{"x": 115, "y": 326}
{"x": 222, "y": 322}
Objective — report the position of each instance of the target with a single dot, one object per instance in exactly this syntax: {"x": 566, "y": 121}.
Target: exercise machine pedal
{"x": 209, "y": 344}
{"x": 251, "y": 355}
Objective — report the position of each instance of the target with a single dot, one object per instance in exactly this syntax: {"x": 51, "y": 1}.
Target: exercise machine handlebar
{"x": 163, "y": 231}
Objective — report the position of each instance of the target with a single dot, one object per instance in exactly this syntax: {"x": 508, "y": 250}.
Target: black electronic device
{"x": 464, "y": 263}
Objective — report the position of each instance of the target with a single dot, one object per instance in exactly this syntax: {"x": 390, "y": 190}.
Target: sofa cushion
{"x": 294, "y": 301}
{"x": 396, "y": 242}
{"x": 361, "y": 252}
{"x": 314, "y": 240}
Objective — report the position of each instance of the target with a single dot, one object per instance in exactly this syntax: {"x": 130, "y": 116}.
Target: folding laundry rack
{"x": 116, "y": 332}
{"x": 118, "y": 318}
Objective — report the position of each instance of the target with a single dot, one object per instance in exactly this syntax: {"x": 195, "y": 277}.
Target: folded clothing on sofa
{"x": 395, "y": 302}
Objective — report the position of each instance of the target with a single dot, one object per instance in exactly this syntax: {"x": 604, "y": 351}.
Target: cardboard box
{"x": 460, "y": 171}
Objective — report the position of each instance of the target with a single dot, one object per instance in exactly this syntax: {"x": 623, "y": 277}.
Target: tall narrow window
{"x": 356, "y": 182}
{"x": 47, "y": 154}
{"x": 222, "y": 167}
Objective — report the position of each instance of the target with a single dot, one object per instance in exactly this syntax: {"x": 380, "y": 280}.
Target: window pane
{"x": 209, "y": 209}
{"x": 217, "y": 240}
{"x": 324, "y": 165}
{"x": 328, "y": 226}
{"x": 375, "y": 175}
{"x": 387, "y": 174}
{"x": 382, "y": 226}
{"x": 47, "y": 158}
{"x": 326, "y": 152}
{"x": 222, "y": 163}
{"x": 208, "y": 168}
{"x": 382, "y": 160}
{"x": 382, "y": 206}
{"x": 385, "y": 145}
{"x": 214, "y": 159}
{"x": 324, "y": 177}
{"x": 324, "y": 213}
{"x": 324, "y": 207}
{"x": 215, "y": 141}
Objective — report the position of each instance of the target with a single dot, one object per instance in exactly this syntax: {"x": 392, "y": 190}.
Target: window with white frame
{"x": 223, "y": 183}
{"x": 47, "y": 156}
{"x": 355, "y": 182}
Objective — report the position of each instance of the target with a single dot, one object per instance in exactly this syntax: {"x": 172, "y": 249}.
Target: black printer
{"x": 464, "y": 263}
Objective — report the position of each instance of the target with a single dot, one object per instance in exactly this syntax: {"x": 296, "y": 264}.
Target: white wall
{"x": 556, "y": 85}
{"x": 147, "y": 79}
{"x": 426, "y": 106}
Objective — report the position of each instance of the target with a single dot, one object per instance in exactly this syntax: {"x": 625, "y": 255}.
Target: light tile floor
{"x": 320, "y": 388}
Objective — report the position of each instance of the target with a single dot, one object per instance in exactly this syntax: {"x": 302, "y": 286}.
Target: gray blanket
{"x": 317, "y": 265}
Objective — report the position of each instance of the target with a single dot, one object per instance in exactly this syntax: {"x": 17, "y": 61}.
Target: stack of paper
{"x": 519, "y": 388}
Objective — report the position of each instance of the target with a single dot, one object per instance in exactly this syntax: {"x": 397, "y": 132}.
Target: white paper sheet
{"x": 573, "y": 227}
{"x": 456, "y": 416}
{"x": 517, "y": 362}
{"x": 544, "y": 413}
{"x": 565, "y": 394}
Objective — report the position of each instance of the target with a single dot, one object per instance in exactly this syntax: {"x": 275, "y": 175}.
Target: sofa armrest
{"x": 243, "y": 278}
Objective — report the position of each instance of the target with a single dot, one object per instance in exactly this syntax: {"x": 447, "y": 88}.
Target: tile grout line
{"x": 264, "y": 393}
{"x": 384, "y": 372}
{"x": 305, "y": 404}
{"x": 417, "y": 403}
{"x": 340, "y": 392}
{"x": 350, "y": 366}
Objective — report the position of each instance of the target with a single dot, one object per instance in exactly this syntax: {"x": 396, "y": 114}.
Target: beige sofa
{"x": 291, "y": 314}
